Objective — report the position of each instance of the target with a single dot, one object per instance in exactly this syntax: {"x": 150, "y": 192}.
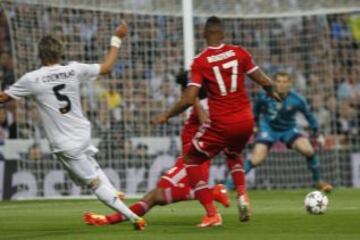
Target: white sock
{"x": 109, "y": 197}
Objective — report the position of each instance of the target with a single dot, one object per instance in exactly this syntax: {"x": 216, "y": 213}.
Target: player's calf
{"x": 198, "y": 182}
{"x": 110, "y": 198}
{"x": 303, "y": 146}
{"x": 259, "y": 153}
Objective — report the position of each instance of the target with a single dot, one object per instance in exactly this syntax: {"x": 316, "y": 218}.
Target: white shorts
{"x": 80, "y": 164}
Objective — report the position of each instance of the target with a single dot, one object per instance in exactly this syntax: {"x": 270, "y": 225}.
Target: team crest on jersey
{"x": 264, "y": 134}
{"x": 279, "y": 105}
{"x": 289, "y": 107}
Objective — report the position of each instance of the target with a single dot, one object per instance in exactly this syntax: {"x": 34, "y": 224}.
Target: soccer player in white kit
{"x": 55, "y": 90}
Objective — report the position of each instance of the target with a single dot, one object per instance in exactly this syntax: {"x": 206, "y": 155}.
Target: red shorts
{"x": 188, "y": 133}
{"x": 212, "y": 138}
{"x": 176, "y": 176}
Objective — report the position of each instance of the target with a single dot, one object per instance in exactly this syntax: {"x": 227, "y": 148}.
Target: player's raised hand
{"x": 160, "y": 119}
{"x": 115, "y": 42}
{"x": 122, "y": 30}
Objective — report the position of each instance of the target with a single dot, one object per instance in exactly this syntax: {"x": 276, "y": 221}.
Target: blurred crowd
{"x": 321, "y": 52}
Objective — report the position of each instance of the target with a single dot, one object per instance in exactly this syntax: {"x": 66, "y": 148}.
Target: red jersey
{"x": 191, "y": 126}
{"x": 222, "y": 71}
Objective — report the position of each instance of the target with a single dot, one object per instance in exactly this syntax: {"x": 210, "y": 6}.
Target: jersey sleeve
{"x": 87, "y": 72}
{"x": 20, "y": 89}
{"x": 305, "y": 109}
{"x": 196, "y": 78}
{"x": 248, "y": 62}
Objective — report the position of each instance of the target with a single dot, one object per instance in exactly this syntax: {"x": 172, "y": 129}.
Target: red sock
{"x": 177, "y": 194}
{"x": 139, "y": 208}
{"x": 235, "y": 166}
{"x": 198, "y": 182}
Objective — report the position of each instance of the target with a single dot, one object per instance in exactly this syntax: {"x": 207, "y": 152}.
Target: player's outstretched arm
{"x": 310, "y": 117}
{"x": 187, "y": 99}
{"x": 313, "y": 124}
{"x": 4, "y": 97}
{"x": 265, "y": 82}
{"x": 112, "y": 55}
{"x": 200, "y": 111}
{"x": 259, "y": 105}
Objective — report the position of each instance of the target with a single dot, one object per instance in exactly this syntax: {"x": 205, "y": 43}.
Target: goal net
{"x": 317, "y": 43}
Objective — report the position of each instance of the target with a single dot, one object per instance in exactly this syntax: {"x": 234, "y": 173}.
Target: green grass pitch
{"x": 277, "y": 215}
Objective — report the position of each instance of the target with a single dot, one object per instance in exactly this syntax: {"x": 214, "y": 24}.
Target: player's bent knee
{"x": 259, "y": 154}
{"x": 94, "y": 183}
{"x": 309, "y": 152}
{"x": 257, "y": 160}
{"x": 305, "y": 148}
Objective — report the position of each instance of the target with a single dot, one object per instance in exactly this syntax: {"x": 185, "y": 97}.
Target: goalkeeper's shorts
{"x": 269, "y": 136}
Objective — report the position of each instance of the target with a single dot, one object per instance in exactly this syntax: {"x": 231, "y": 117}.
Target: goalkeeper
{"x": 276, "y": 122}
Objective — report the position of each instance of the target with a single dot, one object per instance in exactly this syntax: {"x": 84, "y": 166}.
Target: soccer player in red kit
{"x": 173, "y": 185}
{"x": 221, "y": 69}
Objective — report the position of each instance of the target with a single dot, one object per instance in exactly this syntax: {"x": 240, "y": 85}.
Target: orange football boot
{"x": 139, "y": 224}
{"x": 221, "y": 195}
{"x": 212, "y": 221}
{"x": 95, "y": 219}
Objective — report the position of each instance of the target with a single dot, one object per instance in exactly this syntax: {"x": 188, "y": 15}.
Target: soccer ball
{"x": 316, "y": 202}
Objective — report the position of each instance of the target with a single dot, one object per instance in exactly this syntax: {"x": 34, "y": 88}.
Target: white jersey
{"x": 55, "y": 90}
